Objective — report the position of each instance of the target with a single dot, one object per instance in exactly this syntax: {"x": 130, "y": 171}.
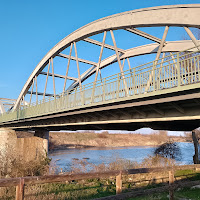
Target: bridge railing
{"x": 175, "y": 72}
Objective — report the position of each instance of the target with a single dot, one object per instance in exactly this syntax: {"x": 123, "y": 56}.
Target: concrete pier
{"x": 27, "y": 149}
{"x": 8, "y": 140}
{"x": 43, "y": 133}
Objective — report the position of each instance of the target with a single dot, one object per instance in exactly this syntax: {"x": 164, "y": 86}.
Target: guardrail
{"x": 22, "y": 181}
{"x": 176, "y": 72}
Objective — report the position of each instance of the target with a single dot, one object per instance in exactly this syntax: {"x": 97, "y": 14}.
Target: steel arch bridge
{"x": 163, "y": 93}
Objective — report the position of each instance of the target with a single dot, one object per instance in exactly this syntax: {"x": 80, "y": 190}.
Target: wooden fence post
{"x": 119, "y": 183}
{"x": 171, "y": 182}
{"x": 20, "y": 190}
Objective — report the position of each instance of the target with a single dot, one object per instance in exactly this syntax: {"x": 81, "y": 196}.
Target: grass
{"x": 96, "y": 188}
{"x": 188, "y": 174}
{"x": 162, "y": 196}
{"x": 75, "y": 190}
{"x": 189, "y": 193}
{"x": 184, "y": 172}
{"x": 185, "y": 193}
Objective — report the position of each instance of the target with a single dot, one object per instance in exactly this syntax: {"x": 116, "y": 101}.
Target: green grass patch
{"x": 76, "y": 190}
{"x": 188, "y": 193}
{"x": 162, "y": 196}
{"x": 184, "y": 172}
{"x": 188, "y": 174}
{"x": 185, "y": 193}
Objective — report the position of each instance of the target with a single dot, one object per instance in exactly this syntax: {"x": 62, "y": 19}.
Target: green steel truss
{"x": 175, "y": 72}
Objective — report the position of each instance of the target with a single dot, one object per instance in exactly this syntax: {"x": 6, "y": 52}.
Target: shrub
{"x": 14, "y": 166}
{"x": 169, "y": 150}
{"x": 157, "y": 161}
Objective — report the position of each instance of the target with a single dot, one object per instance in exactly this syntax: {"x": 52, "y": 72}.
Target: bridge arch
{"x": 176, "y": 15}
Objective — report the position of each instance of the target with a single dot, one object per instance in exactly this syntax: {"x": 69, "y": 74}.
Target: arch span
{"x": 175, "y": 15}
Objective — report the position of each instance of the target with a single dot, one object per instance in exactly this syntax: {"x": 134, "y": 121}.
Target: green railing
{"x": 175, "y": 72}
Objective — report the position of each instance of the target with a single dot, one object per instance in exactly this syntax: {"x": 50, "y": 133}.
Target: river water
{"x": 64, "y": 158}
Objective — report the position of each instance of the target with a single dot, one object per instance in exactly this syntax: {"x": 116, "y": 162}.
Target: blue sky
{"x": 29, "y": 29}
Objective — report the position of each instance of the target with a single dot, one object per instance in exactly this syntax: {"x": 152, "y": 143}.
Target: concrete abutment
{"x": 26, "y": 148}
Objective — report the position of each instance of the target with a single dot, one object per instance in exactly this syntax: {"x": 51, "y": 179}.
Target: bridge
{"x": 7, "y": 104}
{"x": 162, "y": 94}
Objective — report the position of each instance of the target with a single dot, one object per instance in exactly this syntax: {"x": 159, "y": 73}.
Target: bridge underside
{"x": 178, "y": 111}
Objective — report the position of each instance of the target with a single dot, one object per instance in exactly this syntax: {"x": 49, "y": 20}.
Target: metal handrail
{"x": 179, "y": 72}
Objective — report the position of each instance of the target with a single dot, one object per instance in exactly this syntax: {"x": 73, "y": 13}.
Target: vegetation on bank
{"x": 63, "y": 140}
{"x": 12, "y": 166}
{"x": 96, "y": 188}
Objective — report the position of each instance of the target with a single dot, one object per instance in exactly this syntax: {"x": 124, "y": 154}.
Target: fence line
{"x": 22, "y": 181}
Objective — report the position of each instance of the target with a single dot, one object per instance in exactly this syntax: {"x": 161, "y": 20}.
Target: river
{"x": 64, "y": 158}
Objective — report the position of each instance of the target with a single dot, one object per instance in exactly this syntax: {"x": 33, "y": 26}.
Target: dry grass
{"x": 65, "y": 139}
{"x": 14, "y": 166}
{"x": 117, "y": 163}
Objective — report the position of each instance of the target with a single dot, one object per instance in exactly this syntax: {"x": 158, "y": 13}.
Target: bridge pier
{"x": 8, "y": 141}
{"x": 23, "y": 149}
{"x": 44, "y": 134}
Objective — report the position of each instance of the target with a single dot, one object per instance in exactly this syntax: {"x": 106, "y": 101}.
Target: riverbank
{"x": 71, "y": 140}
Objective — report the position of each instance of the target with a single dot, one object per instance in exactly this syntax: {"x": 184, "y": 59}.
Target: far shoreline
{"x": 60, "y": 141}
{"x": 61, "y": 148}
